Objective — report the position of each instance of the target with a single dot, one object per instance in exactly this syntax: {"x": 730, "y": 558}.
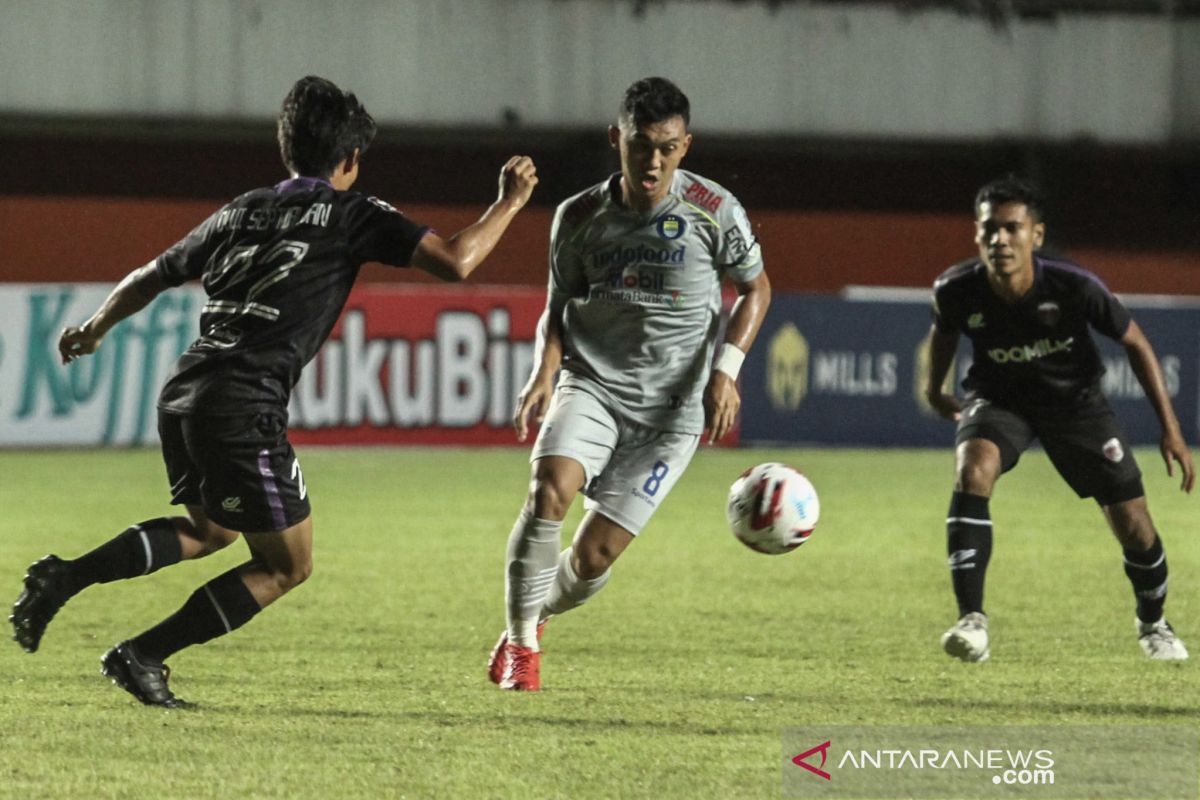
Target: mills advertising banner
{"x": 828, "y": 370}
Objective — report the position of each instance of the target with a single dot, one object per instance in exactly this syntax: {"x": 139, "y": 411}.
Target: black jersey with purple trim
{"x": 277, "y": 264}
{"x": 1038, "y": 352}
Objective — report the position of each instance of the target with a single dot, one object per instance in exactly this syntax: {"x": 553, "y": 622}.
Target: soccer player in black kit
{"x": 1036, "y": 374}
{"x": 277, "y": 264}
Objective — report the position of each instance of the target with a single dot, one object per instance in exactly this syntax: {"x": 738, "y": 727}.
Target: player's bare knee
{"x": 974, "y": 478}
{"x": 592, "y": 559}
{"x": 294, "y": 575}
{"x": 977, "y": 467}
{"x": 549, "y": 497}
{"x": 1131, "y": 524}
{"x": 211, "y": 536}
{"x": 302, "y": 573}
{"x": 186, "y": 526}
{"x": 218, "y": 538}
{"x": 1136, "y": 535}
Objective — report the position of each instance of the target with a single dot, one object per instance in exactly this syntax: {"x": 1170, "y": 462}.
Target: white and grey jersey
{"x": 640, "y": 294}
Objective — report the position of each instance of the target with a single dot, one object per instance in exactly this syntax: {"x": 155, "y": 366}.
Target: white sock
{"x": 529, "y": 573}
{"x": 569, "y": 590}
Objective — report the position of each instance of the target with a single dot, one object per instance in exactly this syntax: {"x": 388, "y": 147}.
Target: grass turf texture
{"x": 676, "y": 681}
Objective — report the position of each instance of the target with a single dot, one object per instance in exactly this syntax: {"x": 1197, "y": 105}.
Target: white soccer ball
{"x": 772, "y": 508}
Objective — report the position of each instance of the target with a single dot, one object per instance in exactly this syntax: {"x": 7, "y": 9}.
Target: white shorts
{"x": 628, "y": 468}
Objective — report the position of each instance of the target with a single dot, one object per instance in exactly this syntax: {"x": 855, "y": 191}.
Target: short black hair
{"x": 319, "y": 125}
{"x": 653, "y": 100}
{"x": 1013, "y": 189}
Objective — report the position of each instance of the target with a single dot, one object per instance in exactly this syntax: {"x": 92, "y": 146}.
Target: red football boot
{"x": 498, "y": 660}
{"x": 523, "y": 673}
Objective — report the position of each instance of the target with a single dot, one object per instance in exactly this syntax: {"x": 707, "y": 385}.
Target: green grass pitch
{"x": 675, "y": 682}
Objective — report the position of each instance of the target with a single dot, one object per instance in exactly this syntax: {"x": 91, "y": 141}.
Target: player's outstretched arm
{"x": 1149, "y": 374}
{"x": 455, "y": 258}
{"x": 131, "y": 295}
{"x": 942, "y": 347}
{"x": 721, "y": 397}
{"x": 534, "y": 398}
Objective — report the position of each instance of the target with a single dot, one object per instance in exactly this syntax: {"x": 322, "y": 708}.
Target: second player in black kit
{"x": 277, "y": 264}
{"x": 1035, "y": 374}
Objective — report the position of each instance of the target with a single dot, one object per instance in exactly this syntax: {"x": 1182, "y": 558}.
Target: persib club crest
{"x": 671, "y": 226}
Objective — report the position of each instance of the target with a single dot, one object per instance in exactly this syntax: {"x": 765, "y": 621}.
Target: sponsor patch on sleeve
{"x": 736, "y": 245}
{"x": 701, "y": 195}
{"x": 384, "y": 205}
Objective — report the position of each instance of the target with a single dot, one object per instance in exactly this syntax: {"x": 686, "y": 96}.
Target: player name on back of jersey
{"x": 263, "y": 219}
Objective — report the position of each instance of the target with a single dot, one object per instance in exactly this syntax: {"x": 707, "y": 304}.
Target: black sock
{"x": 969, "y": 544}
{"x": 220, "y": 606}
{"x": 1147, "y": 571}
{"x": 138, "y": 550}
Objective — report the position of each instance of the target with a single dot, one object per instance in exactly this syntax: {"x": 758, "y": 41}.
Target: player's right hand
{"x": 74, "y": 342}
{"x": 532, "y": 402}
{"x": 517, "y": 179}
{"x": 946, "y": 405}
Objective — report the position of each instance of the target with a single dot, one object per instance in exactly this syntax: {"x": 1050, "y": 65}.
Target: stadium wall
{"x": 442, "y": 365}
{"x": 54, "y": 239}
{"x": 852, "y": 69}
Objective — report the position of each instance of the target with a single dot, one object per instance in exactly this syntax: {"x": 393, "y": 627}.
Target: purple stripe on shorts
{"x": 272, "y": 490}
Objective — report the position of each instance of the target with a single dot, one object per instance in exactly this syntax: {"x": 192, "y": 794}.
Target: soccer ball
{"x": 772, "y": 508}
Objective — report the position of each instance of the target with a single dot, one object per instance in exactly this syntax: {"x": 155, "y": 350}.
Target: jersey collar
{"x": 613, "y": 197}
{"x": 301, "y": 183}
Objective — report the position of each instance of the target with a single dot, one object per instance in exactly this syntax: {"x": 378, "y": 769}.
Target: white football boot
{"x": 967, "y": 639}
{"x": 1159, "y": 642}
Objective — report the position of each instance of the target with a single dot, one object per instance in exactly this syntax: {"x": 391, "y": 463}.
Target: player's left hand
{"x": 1175, "y": 451}
{"x": 721, "y": 404}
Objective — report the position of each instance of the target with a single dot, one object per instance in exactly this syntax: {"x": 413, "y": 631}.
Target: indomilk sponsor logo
{"x": 1030, "y": 352}
{"x": 640, "y": 254}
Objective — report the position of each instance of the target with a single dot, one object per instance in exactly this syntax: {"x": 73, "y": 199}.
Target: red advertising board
{"x": 421, "y": 364}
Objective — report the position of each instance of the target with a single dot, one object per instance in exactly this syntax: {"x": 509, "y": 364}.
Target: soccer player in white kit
{"x": 632, "y": 319}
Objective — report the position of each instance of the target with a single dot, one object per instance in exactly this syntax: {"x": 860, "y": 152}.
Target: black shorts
{"x": 240, "y": 469}
{"x": 1088, "y": 450}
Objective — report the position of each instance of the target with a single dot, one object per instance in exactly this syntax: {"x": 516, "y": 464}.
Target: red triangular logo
{"x": 824, "y": 751}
